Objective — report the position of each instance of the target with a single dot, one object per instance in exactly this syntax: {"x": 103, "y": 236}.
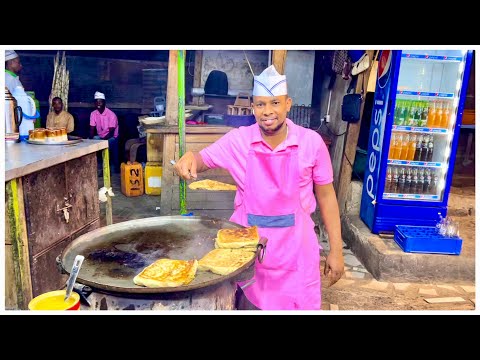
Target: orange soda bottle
{"x": 431, "y": 114}
{"x": 404, "y": 147}
{"x": 397, "y": 147}
{"x": 445, "y": 122}
{"x": 438, "y": 115}
{"x": 392, "y": 142}
{"x": 412, "y": 147}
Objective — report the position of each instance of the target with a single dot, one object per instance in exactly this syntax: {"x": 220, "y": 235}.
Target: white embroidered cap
{"x": 270, "y": 83}
{"x": 99, "y": 95}
{"x": 10, "y": 54}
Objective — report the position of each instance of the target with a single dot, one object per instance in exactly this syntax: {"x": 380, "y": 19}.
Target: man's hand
{"x": 186, "y": 167}
{"x": 334, "y": 267}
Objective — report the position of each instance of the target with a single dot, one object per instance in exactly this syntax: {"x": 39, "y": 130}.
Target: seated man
{"x": 105, "y": 122}
{"x": 58, "y": 117}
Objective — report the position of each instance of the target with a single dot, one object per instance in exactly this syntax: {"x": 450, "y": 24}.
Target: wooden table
{"x": 46, "y": 185}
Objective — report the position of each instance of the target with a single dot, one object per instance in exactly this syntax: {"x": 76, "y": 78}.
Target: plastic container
{"x": 153, "y": 178}
{"x": 24, "y": 128}
{"x": 54, "y": 300}
{"x": 38, "y": 120}
{"x": 131, "y": 179}
{"x": 426, "y": 239}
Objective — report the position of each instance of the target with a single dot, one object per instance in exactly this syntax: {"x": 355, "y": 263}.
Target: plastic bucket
{"x": 53, "y": 300}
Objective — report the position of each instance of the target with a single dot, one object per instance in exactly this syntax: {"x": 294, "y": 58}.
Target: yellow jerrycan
{"x": 153, "y": 178}
{"x": 131, "y": 179}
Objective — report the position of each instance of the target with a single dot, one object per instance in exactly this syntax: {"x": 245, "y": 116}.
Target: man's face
{"x": 271, "y": 112}
{"x": 15, "y": 65}
{"x": 100, "y": 104}
{"x": 57, "y": 105}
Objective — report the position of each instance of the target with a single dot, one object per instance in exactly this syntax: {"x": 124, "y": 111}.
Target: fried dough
{"x": 237, "y": 238}
{"x": 211, "y": 185}
{"x": 167, "y": 273}
{"x": 225, "y": 261}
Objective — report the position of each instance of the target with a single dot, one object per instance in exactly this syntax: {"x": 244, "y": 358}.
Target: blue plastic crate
{"x": 426, "y": 239}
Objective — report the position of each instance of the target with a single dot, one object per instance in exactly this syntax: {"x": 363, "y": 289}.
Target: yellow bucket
{"x": 53, "y": 300}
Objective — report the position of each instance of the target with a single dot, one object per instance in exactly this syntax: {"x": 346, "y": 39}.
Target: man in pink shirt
{"x": 279, "y": 168}
{"x": 105, "y": 122}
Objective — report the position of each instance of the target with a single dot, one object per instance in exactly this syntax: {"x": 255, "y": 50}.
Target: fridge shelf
{"x": 411, "y": 196}
{"x": 433, "y": 57}
{"x": 425, "y": 164}
{"x": 418, "y": 129}
{"x": 426, "y": 94}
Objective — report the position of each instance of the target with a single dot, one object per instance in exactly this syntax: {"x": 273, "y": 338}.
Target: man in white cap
{"x": 278, "y": 166}
{"x": 105, "y": 122}
{"x": 13, "y": 66}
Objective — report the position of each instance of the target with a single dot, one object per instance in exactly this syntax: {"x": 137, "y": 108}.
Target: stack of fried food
{"x": 234, "y": 248}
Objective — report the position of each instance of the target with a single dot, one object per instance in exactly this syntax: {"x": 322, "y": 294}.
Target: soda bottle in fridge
{"x": 418, "y": 149}
{"x": 438, "y": 115}
{"x": 424, "y": 114}
{"x": 388, "y": 184}
{"x": 412, "y": 144}
{"x": 408, "y": 181}
{"x": 427, "y": 180}
{"x": 430, "y": 148}
{"x": 414, "y": 186}
{"x": 431, "y": 114}
{"x": 445, "y": 122}
{"x": 394, "y": 188}
{"x": 423, "y": 155}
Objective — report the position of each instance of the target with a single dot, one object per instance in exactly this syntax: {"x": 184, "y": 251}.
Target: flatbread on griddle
{"x": 167, "y": 273}
{"x": 225, "y": 261}
{"x": 237, "y": 238}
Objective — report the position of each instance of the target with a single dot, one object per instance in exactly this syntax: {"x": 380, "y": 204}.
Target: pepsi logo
{"x": 384, "y": 67}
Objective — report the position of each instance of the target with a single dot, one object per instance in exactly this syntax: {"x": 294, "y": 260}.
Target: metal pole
{"x": 181, "y": 125}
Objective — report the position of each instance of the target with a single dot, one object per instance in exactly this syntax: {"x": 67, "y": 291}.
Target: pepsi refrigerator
{"x": 415, "y": 125}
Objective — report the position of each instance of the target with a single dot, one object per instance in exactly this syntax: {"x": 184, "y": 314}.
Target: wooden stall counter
{"x": 51, "y": 197}
{"x": 163, "y": 146}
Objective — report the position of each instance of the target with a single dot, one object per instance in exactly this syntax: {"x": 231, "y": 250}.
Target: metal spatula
{"x": 77, "y": 263}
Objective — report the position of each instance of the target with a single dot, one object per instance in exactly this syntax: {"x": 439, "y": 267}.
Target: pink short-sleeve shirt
{"x": 231, "y": 152}
{"x": 104, "y": 121}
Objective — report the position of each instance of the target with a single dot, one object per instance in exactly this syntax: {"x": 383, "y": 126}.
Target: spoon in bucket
{"x": 77, "y": 263}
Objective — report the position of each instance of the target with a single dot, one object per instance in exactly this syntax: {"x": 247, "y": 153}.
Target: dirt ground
{"x": 358, "y": 290}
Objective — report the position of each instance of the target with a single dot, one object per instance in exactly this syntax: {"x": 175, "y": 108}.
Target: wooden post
{"x": 350, "y": 150}
{"x": 169, "y": 139}
{"x": 106, "y": 183}
{"x": 197, "y": 77}
{"x": 279, "y": 59}
{"x": 171, "y": 114}
{"x": 17, "y": 276}
{"x": 181, "y": 126}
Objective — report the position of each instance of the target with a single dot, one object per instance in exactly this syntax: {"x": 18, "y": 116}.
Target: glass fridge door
{"x": 428, "y": 91}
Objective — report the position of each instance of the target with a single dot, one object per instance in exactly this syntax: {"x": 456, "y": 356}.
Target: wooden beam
{"x": 278, "y": 60}
{"x": 17, "y": 278}
{"x": 107, "y": 184}
{"x": 197, "y": 75}
{"x": 167, "y": 175}
{"x": 350, "y": 150}
{"x": 172, "y": 89}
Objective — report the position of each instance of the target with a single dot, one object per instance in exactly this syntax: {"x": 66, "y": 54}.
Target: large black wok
{"x": 114, "y": 254}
